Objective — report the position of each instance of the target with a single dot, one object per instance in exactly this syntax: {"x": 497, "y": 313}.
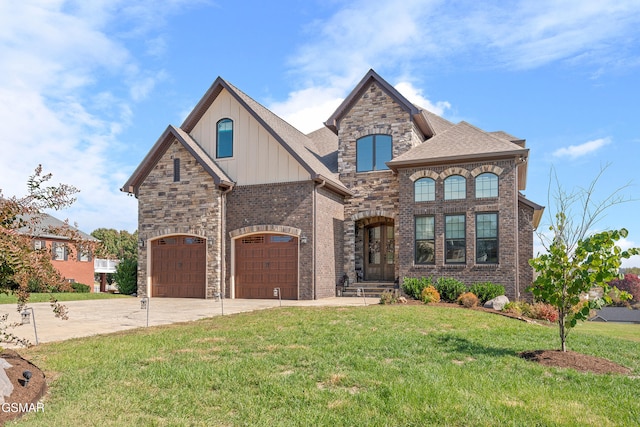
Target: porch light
{"x": 303, "y": 240}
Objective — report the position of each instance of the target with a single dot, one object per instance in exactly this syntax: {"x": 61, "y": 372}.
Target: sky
{"x": 86, "y": 88}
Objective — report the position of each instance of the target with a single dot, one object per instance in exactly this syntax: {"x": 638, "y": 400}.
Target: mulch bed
{"x": 23, "y": 395}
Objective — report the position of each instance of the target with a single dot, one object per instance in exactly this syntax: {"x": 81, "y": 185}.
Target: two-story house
{"x": 237, "y": 202}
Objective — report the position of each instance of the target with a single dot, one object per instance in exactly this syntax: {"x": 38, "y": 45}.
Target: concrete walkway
{"x": 104, "y": 316}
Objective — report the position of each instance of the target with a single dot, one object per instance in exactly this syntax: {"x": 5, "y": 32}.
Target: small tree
{"x": 126, "y": 276}
{"x": 577, "y": 258}
{"x": 20, "y": 263}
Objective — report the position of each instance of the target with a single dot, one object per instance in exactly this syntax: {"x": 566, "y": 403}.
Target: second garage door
{"x": 265, "y": 262}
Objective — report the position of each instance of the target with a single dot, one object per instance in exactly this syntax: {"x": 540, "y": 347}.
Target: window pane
{"x": 425, "y": 252}
{"x": 364, "y": 154}
{"x": 425, "y": 190}
{"x": 455, "y": 188}
{"x": 225, "y": 139}
{"x": 425, "y": 243}
{"x": 455, "y": 251}
{"x": 486, "y": 185}
{"x": 487, "y": 238}
{"x": 382, "y": 152}
{"x": 425, "y": 227}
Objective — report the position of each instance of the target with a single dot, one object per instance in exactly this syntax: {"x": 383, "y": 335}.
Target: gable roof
{"x": 297, "y": 144}
{"x": 170, "y": 134}
{"x": 617, "y": 314}
{"x": 44, "y": 225}
{"x": 423, "y": 121}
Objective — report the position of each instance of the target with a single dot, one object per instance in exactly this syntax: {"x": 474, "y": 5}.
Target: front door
{"x": 379, "y": 253}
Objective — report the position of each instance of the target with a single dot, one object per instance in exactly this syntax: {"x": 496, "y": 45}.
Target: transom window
{"x": 486, "y": 185}
{"x": 455, "y": 187}
{"x": 425, "y": 240}
{"x": 224, "y": 138}
{"x": 487, "y": 238}
{"x": 425, "y": 190}
{"x": 454, "y": 239}
{"x": 372, "y": 152}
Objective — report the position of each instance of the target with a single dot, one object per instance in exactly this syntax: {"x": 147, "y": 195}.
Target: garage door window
{"x": 281, "y": 239}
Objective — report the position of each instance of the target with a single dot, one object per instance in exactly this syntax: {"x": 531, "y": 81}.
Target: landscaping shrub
{"x": 413, "y": 286}
{"x": 80, "y": 288}
{"x": 430, "y": 294}
{"x": 630, "y": 283}
{"x": 468, "y": 300}
{"x": 520, "y": 308}
{"x": 544, "y": 311}
{"x": 487, "y": 291}
{"x": 388, "y": 297}
{"x": 126, "y": 276}
{"x": 450, "y": 289}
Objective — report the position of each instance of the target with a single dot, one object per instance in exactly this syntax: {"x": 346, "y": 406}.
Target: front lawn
{"x": 61, "y": 296}
{"x": 370, "y": 366}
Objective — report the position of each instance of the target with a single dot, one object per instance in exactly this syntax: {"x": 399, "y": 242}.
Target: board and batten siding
{"x": 258, "y": 158}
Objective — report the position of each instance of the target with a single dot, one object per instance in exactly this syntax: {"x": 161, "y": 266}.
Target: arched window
{"x": 455, "y": 187}
{"x": 486, "y": 185}
{"x": 372, "y": 152}
{"x": 224, "y": 138}
{"x": 425, "y": 190}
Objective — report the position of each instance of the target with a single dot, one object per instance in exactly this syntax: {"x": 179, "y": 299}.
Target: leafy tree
{"x": 117, "y": 244}
{"x": 630, "y": 283}
{"x": 126, "y": 276}
{"x": 20, "y": 219}
{"x": 577, "y": 258}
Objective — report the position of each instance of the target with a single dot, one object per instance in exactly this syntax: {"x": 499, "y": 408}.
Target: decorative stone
{"x": 497, "y": 303}
{"x": 6, "y": 388}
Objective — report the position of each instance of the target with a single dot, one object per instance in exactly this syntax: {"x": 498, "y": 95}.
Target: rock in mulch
{"x": 497, "y": 303}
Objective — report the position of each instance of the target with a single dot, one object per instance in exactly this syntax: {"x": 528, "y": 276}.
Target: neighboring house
{"x": 616, "y": 314}
{"x": 75, "y": 264}
{"x": 238, "y": 201}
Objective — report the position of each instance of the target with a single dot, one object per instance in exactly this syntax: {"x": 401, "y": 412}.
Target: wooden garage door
{"x": 265, "y": 262}
{"x": 178, "y": 267}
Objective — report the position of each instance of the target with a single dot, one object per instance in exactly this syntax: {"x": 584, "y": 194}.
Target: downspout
{"x": 519, "y": 161}
{"x": 223, "y": 239}
{"x": 315, "y": 233}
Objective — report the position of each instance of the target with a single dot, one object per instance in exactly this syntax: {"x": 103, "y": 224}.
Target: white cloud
{"x": 55, "y": 110}
{"x": 575, "y": 151}
{"x": 415, "y": 95}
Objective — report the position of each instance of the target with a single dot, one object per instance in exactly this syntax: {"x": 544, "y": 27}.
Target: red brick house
{"x": 238, "y": 201}
{"x": 74, "y": 264}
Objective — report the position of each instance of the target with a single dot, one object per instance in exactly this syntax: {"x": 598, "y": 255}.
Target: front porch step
{"x": 370, "y": 289}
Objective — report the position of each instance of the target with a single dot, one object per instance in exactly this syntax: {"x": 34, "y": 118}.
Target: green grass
{"x": 620, "y": 330}
{"x": 367, "y": 366}
{"x": 61, "y": 296}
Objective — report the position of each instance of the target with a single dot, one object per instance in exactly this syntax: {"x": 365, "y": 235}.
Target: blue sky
{"x": 86, "y": 88}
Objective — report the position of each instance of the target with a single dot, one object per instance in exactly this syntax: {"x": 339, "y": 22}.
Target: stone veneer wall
{"x": 283, "y": 204}
{"x": 505, "y": 272}
{"x": 375, "y": 193}
{"x": 190, "y": 206}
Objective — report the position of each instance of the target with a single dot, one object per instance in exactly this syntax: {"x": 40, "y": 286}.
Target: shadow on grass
{"x": 455, "y": 344}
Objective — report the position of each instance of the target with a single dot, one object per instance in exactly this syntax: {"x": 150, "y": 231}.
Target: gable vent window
{"x": 176, "y": 170}
{"x": 224, "y": 139}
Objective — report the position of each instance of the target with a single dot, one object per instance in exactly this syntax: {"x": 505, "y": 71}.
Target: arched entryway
{"x": 378, "y": 250}
{"x": 178, "y": 267}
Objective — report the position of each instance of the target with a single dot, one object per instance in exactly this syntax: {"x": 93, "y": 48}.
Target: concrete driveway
{"x": 104, "y": 316}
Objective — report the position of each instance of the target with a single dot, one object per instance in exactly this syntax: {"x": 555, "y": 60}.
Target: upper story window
{"x": 455, "y": 187}
{"x": 59, "y": 251}
{"x": 372, "y": 152}
{"x": 425, "y": 190}
{"x": 486, "y": 185}
{"x": 224, "y": 139}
